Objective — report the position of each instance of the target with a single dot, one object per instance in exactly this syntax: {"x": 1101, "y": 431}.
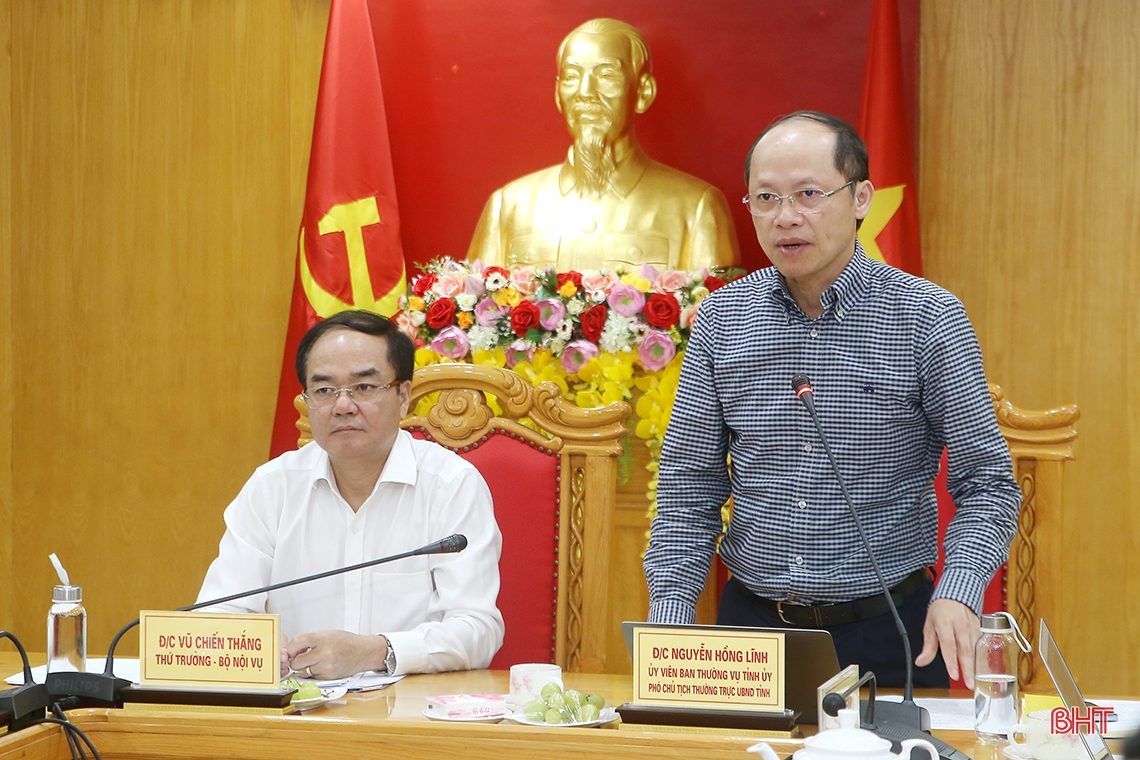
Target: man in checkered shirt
{"x": 897, "y": 376}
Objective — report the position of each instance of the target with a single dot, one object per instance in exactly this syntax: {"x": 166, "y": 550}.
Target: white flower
{"x": 417, "y": 318}
{"x": 617, "y": 334}
{"x": 699, "y": 293}
{"x": 565, "y": 329}
{"x": 482, "y": 338}
{"x": 640, "y": 330}
{"x": 496, "y": 281}
{"x": 597, "y": 296}
{"x": 465, "y": 301}
{"x": 575, "y": 306}
{"x": 556, "y": 346}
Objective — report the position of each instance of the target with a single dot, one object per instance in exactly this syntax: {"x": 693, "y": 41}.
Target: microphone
{"x": 907, "y": 712}
{"x": 102, "y": 689}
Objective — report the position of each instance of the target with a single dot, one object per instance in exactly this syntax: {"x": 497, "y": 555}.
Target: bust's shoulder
{"x": 527, "y": 184}
{"x": 679, "y": 181}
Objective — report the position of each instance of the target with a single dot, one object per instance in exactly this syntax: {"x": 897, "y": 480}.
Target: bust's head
{"x": 604, "y": 80}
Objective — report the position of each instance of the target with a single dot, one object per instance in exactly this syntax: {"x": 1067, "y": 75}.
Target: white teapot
{"x": 849, "y": 742}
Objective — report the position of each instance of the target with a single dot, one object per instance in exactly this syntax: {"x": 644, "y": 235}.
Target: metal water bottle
{"x": 995, "y": 676}
{"x": 67, "y": 630}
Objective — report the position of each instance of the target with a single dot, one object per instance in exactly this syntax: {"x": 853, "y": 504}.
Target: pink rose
{"x": 524, "y": 280}
{"x": 689, "y": 316}
{"x": 449, "y": 285}
{"x": 656, "y": 350}
{"x": 405, "y": 325}
{"x": 487, "y": 312}
{"x": 519, "y": 351}
{"x": 598, "y": 281}
{"x": 626, "y": 300}
{"x": 452, "y": 343}
{"x": 671, "y": 281}
{"x": 576, "y": 354}
{"x": 550, "y": 313}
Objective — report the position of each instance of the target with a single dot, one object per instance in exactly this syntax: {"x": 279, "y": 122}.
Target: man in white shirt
{"x": 364, "y": 489}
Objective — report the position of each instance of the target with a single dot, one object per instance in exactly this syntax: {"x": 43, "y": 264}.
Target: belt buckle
{"x": 814, "y": 610}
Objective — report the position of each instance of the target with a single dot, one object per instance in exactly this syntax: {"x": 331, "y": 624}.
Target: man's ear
{"x": 646, "y": 92}
{"x": 558, "y": 94}
{"x": 864, "y": 192}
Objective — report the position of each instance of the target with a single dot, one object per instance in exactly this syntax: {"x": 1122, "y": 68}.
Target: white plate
{"x": 608, "y": 715}
{"x": 477, "y": 719}
{"x": 327, "y": 695}
{"x": 1017, "y": 752}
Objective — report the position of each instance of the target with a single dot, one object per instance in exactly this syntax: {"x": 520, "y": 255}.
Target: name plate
{"x": 209, "y": 650}
{"x": 682, "y": 667}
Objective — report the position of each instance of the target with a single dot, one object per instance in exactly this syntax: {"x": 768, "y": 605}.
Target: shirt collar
{"x": 400, "y": 467}
{"x": 622, "y": 181}
{"x": 847, "y": 290}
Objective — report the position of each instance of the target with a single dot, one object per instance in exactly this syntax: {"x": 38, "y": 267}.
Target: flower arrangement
{"x": 459, "y": 309}
{"x": 597, "y": 335}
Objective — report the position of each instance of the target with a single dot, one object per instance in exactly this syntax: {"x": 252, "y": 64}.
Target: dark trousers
{"x": 873, "y": 643}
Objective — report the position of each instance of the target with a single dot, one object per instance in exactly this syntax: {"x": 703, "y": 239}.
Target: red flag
{"x": 890, "y": 231}
{"x": 348, "y": 252}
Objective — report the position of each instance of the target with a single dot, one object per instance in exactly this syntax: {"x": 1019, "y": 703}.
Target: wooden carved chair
{"x": 1039, "y": 443}
{"x": 553, "y": 490}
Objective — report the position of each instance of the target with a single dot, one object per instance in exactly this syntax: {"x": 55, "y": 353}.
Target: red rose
{"x": 593, "y": 320}
{"x": 574, "y": 277}
{"x": 423, "y": 284}
{"x": 712, "y": 283}
{"x": 441, "y": 313}
{"x": 496, "y": 270}
{"x": 524, "y": 317}
{"x": 662, "y": 311}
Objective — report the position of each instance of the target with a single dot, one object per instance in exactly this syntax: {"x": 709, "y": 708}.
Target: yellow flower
{"x": 496, "y": 357}
{"x": 589, "y": 400}
{"x": 507, "y": 297}
{"x": 465, "y": 319}
{"x": 640, "y": 283}
{"x": 568, "y": 289}
{"x": 415, "y": 303}
{"x": 425, "y": 356}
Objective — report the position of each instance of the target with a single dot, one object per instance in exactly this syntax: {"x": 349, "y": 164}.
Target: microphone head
{"x": 801, "y": 384}
{"x": 456, "y": 542}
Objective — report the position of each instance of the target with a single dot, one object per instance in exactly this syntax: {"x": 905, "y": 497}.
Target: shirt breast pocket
{"x": 644, "y": 248}
{"x": 400, "y": 600}
{"x": 534, "y": 249}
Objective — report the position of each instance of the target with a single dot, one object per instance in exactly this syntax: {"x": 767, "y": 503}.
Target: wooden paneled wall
{"x": 1030, "y": 206}
{"x": 152, "y": 168}
{"x": 158, "y": 152}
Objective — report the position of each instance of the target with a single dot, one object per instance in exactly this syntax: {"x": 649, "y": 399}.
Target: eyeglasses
{"x": 806, "y": 201}
{"x": 326, "y": 395}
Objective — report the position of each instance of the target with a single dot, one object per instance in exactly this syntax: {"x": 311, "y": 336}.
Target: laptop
{"x": 809, "y": 660}
{"x": 1067, "y": 687}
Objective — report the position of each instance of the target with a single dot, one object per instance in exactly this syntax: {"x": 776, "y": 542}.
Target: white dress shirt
{"x": 289, "y": 521}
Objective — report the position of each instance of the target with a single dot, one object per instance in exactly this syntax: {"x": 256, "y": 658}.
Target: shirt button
{"x": 803, "y": 504}
{"x": 589, "y": 226}
{"x": 840, "y": 312}
{"x": 813, "y": 332}
{"x": 799, "y": 560}
{"x": 807, "y": 447}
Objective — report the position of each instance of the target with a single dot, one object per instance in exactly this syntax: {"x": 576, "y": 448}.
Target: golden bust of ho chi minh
{"x": 608, "y": 205}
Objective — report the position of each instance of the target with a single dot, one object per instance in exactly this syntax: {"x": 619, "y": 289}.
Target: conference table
{"x": 388, "y": 723}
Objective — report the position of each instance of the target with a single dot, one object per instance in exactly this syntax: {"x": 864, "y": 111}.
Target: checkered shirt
{"x": 897, "y": 376}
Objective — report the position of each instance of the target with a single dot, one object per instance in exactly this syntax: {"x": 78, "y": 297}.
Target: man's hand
{"x": 336, "y": 654}
{"x": 283, "y": 648}
{"x": 953, "y": 627}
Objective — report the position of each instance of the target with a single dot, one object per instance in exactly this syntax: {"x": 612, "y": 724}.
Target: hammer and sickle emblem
{"x": 349, "y": 218}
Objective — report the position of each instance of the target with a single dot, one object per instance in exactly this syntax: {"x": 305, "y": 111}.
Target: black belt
{"x": 825, "y": 615}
